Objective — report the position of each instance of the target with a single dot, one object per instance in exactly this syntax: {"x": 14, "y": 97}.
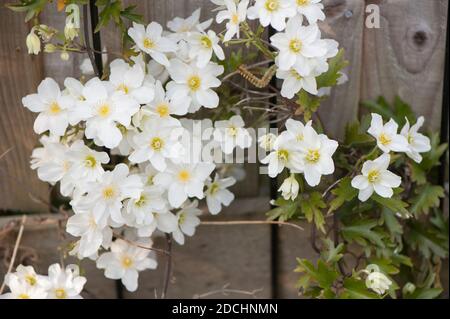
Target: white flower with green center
{"x": 386, "y": 135}
{"x": 298, "y": 45}
{"x": 130, "y": 81}
{"x": 286, "y": 153}
{"x": 316, "y": 155}
{"x": 267, "y": 141}
{"x": 28, "y": 275}
{"x": 184, "y": 180}
{"x": 125, "y": 261}
{"x": 312, "y": 10}
{"x": 161, "y": 108}
{"x": 273, "y": 12}
{"x": 290, "y": 187}
{"x": 93, "y": 232}
{"x": 53, "y": 108}
{"x": 293, "y": 82}
{"x": 157, "y": 143}
{"x": 197, "y": 83}
{"x": 103, "y": 110}
{"x": 150, "y": 201}
{"x": 217, "y": 193}
{"x": 86, "y": 163}
{"x": 235, "y": 12}
{"x": 417, "y": 142}
{"x": 74, "y": 88}
{"x": 187, "y": 221}
{"x": 21, "y": 289}
{"x": 376, "y": 178}
{"x": 202, "y": 45}
{"x": 64, "y": 283}
{"x": 104, "y": 197}
{"x": 182, "y": 28}
{"x": 151, "y": 41}
{"x": 296, "y": 129}
{"x": 231, "y": 134}
{"x": 376, "y": 280}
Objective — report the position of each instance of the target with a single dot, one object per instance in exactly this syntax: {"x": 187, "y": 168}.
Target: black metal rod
{"x": 96, "y": 41}
{"x": 445, "y": 107}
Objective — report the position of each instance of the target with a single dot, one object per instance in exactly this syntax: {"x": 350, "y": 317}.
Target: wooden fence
{"x": 405, "y": 57}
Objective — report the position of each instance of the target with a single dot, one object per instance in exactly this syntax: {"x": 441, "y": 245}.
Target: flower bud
{"x": 65, "y": 56}
{"x": 267, "y": 141}
{"x": 70, "y": 31}
{"x": 289, "y": 188}
{"x": 33, "y": 43}
{"x": 50, "y": 48}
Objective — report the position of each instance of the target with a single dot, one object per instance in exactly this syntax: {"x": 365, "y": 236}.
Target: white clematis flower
{"x": 217, "y": 193}
{"x": 267, "y": 141}
{"x": 189, "y": 80}
{"x": 273, "y": 12}
{"x": 235, "y": 13}
{"x": 105, "y": 196}
{"x": 184, "y": 180}
{"x": 187, "y": 221}
{"x": 202, "y": 46}
{"x": 376, "y": 280}
{"x": 20, "y": 289}
{"x": 285, "y": 154}
{"x": 151, "y": 41}
{"x": 28, "y": 275}
{"x": 93, "y": 231}
{"x": 316, "y": 155}
{"x": 53, "y": 108}
{"x": 157, "y": 143}
{"x": 417, "y": 142}
{"x": 86, "y": 163}
{"x": 231, "y": 133}
{"x": 130, "y": 80}
{"x": 125, "y": 261}
{"x": 376, "y": 178}
{"x": 290, "y": 187}
{"x": 298, "y": 45}
{"x": 294, "y": 82}
{"x": 386, "y": 135}
{"x": 312, "y": 10}
{"x": 182, "y": 28}
{"x": 64, "y": 283}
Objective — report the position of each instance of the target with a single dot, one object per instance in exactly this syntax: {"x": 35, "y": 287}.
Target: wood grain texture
{"x": 20, "y": 73}
{"x": 406, "y": 55}
{"x": 345, "y": 19}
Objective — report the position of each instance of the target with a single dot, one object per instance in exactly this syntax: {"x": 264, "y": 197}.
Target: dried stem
{"x": 168, "y": 266}
{"x": 226, "y": 291}
{"x": 14, "y": 254}
{"x": 251, "y": 222}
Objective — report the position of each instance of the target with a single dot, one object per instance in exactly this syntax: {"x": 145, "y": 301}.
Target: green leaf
{"x": 380, "y": 106}
{"x": 396, "y": 205}
{"x": 392, "y": 224}
{"x": 311, "y": 205}
{"x": 336, "y": 65}
{"x": 418, "y": 174}
{"x": 403, "y": 110}
{"x": 332, "y": 254}
{"x": 308, "y": 104}
{"x": 284, "y": 211}
{"x": 432, "y": 158}
{"x": 427, "y": 197}
{"x": 130, "y": 15}
{"x": 361, "y": 231}
{"x": 344, "y": 192}
{"x": 425, "y": 293}
{"x": 354, "y": 134}
{"x": 356, "y": 289}
{"x": 427, "y": 240}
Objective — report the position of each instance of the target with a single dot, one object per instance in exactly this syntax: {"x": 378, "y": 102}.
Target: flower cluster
{"x": 121, "y": 149}
{"x": 300, "y": 149}
{"x": 59, "y": 284}
{"x": 375, "y": 175}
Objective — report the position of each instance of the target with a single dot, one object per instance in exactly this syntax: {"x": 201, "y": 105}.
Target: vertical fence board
{"x": 405, "y": 56}
{"x": 20, "y": 74}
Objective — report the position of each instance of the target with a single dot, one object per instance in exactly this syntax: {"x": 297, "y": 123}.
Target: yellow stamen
{"x": 127, "y": 262}
{"x": 104, "y": 110}
{"x": 60, "y": 293}
{"x": 295, "y": 45}
{"x": 302, "y": 2}
{"x": 296, "y": 75}
{"x": 162, "y": 110}
{"x": 271, "y": 5}
{"x": 31, "y": 280}
{"x": 232, "y": 131}
{"x": 373, "y": 176}
{"x": 283, "y": 155}
{"x": 194, "y": 82}
{"x": 234, "y": 19}
{"x": 90, "y": 161}
{"x": 141, "y": 202}
{"x": 23, "y": 296}
{"x": 184, "y": 175}
{"x": 213, "y": 188}
{"x": 124, "y": 88}
{"x": 148, "y": 43}
{"x": 156, "y": 143}
{"x": 384, "y": 139}
{"x": 54, "y": 108}
{"x": 313, "y": 156}
{"x": 206, "y": 42}
{"x": 108, "y": 192}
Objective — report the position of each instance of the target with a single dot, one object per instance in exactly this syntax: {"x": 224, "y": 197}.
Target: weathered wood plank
{"x": 216, "y": 256}
{"x": 405, "y": 56}
{"x": 345, "y": 21}
{"x": 20, "y": 74}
